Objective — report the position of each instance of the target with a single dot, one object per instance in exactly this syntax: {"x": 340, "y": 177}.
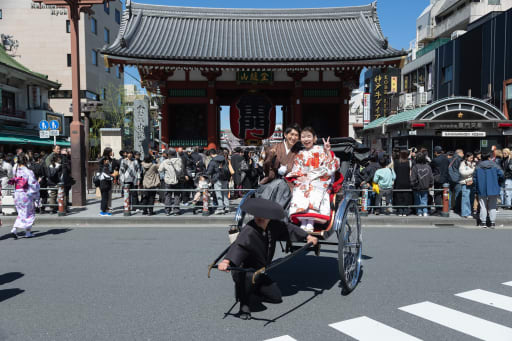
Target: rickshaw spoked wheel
{"x": 350, "y": 247}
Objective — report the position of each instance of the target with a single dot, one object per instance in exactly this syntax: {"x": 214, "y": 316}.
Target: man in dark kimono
{"x": 254, "y": 249}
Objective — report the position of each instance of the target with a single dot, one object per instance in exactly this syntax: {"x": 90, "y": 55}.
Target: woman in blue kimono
{"x": 26, "y": 193}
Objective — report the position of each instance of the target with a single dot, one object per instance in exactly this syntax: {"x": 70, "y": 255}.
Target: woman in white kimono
{"x": 25, "y": 194}
{"x": 313, "y": 172}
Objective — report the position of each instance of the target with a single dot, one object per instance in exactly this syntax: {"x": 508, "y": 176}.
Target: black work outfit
{"x": 254, "y": 248}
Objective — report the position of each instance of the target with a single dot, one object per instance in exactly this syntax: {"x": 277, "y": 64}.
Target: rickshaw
{"x": 344, "y": 223}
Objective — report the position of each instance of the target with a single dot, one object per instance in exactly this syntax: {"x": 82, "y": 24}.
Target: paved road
{"x": 150, "y": 284}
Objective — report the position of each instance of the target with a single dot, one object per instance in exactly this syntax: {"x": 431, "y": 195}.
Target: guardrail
{"x": 61, "y": 205}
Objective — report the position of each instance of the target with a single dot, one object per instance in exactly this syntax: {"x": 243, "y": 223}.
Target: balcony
{"x": 413, "y": 100}
{"x": 13, "y": 115}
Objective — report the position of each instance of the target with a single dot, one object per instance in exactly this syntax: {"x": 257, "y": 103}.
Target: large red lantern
{"x": 252, "y": 117}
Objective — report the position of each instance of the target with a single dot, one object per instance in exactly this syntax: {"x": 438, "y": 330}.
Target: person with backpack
{"x": 53, "y": 176}
{"x": 151, "y": 182}
{"x": 131, "y": 174}
{"x": 486, "y": 179}
{"x": 454, "y": 177}
{"x": 403, "y": 197}
{"x": 422, "y": 180}
{"x": 173, "y": 170}
{"x": 467, "y": 168}
{"x": 106, "y": 170}
{"x": 384, "y": 178}
{"x": 219, "y": 173}
{"x": 439, "y": 165}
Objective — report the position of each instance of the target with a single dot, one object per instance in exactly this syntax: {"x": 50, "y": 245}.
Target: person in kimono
{"x": 25, "y": 195}
{"x": 254, "y": 248}
{"x": 277, "y": 164}
{"x": 313, "y": 172}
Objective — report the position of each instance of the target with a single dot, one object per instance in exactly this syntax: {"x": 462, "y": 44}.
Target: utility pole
{"x": 74, "y": 8}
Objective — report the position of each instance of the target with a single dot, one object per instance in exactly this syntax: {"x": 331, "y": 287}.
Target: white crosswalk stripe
{"x": 488, "y": 298}
{"x": 282, "y": 338}
{"x": 364, "y": 328}
{"x": 508, "y": 283}
{"x": 459, "y": 321}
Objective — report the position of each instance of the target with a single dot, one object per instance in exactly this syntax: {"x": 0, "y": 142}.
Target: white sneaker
{"x": 425, "y": 214}
{"x": 28, "y": 234}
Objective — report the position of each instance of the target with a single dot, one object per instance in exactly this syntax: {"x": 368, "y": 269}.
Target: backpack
{"x": 53, "y": 174}
{"x": 453, "y": 172}
{"x": 224, "y": 173}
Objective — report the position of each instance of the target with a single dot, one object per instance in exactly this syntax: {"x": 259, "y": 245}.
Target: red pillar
{"x": 297, "y": 95}
{"x": 76, "y": 126}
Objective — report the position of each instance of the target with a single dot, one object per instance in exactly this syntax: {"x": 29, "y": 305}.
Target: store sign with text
{"x": 463, "y": 134}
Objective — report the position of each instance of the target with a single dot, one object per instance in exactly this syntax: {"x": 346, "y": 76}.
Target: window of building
{"x": 69, "y": 59}
{"x": 494, "y": 2}
{"x": 106, "y": 35}
{"x": 118, "y": 72}
{"x": 447, "y": 74}
{"x": 429, "y": 77}
{"x": 103, "y": 93}
{"x": 68, "y": 26}
{"x": 0, "y": 14}
{"x": 94, "y": 26}
{"x": 106, "y": 8}
{"x": 107, "y": 69}
{"x": 94, "y": 55}
{"x": 118, "y": 16}
{"x": 8, "y": 104}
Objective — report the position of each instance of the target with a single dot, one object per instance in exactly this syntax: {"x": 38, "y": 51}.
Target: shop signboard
{"x": 252, "y": 117}
{"x": 463, "y": 134}
{"x": 366, "y": 108}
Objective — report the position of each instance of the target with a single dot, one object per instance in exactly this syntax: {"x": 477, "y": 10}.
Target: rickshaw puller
{"x": 254, "y": 249}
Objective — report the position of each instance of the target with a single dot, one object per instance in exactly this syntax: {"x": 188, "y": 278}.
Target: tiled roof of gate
{"x": 251, "y": 35}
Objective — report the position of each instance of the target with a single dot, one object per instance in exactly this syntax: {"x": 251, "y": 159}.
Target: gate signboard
{"x": 253, "y": 117}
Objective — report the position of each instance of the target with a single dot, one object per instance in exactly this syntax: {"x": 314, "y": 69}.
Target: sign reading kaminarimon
{"x": 305, "y": 60}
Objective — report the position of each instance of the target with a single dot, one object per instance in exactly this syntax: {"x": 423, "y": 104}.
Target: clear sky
{"x": 397, "y": 19}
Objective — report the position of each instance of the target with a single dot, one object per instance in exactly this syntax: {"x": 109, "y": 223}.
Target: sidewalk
{"x": 89, "y": 217}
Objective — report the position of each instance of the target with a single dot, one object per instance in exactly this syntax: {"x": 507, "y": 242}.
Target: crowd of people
{"x": 294, "y": 173}
{"x": 179, "y": 177}
{"x": 412, "y": 182}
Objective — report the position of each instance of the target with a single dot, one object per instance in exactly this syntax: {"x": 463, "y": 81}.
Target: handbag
{"x": 375, "y": 188}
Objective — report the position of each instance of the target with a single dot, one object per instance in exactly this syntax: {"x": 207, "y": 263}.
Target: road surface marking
{"x": 508, "y": 283}
{"x": 364, "y": 328}
{"x": 282, "y": 338}
{"x": 459, "y": 321}
{"x": 489, "y": 298}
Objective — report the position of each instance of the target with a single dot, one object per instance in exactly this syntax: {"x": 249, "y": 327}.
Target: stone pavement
{"x": 88, "y": 216}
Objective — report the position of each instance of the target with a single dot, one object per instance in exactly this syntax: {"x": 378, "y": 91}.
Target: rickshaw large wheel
{"x": 350, "y": 247}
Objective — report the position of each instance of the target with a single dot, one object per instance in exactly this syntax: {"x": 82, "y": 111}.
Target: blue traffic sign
{"x": 44, "y": 125}
{"x": 54, "y": 124}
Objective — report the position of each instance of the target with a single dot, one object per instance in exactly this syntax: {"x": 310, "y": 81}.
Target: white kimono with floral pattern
{"x": 310, "y": 196}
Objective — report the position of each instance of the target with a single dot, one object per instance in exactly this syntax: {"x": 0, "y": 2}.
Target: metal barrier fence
{"x": 61, "y": 204}
{"x": 206, "y": 194}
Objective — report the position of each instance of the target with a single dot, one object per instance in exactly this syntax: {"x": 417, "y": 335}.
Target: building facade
{"x": 306, "y": 60}
{"x": 43, "y": 42}
{"x": 23, "y": 104}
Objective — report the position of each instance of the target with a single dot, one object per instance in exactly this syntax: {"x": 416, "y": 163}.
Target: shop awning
{"x": 30, "y": 140}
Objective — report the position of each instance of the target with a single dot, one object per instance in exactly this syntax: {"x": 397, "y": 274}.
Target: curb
{"x": 225, "y": 220}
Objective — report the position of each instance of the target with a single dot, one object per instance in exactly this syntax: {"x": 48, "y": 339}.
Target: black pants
{"x": 148, "y": 200}
{"x": 265, "y": 289}
{"x": 104, "y": 199}
{"x": 173, "y": 198}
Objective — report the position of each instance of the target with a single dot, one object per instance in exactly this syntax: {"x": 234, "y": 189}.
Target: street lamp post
{"x": 74, "y": 8}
